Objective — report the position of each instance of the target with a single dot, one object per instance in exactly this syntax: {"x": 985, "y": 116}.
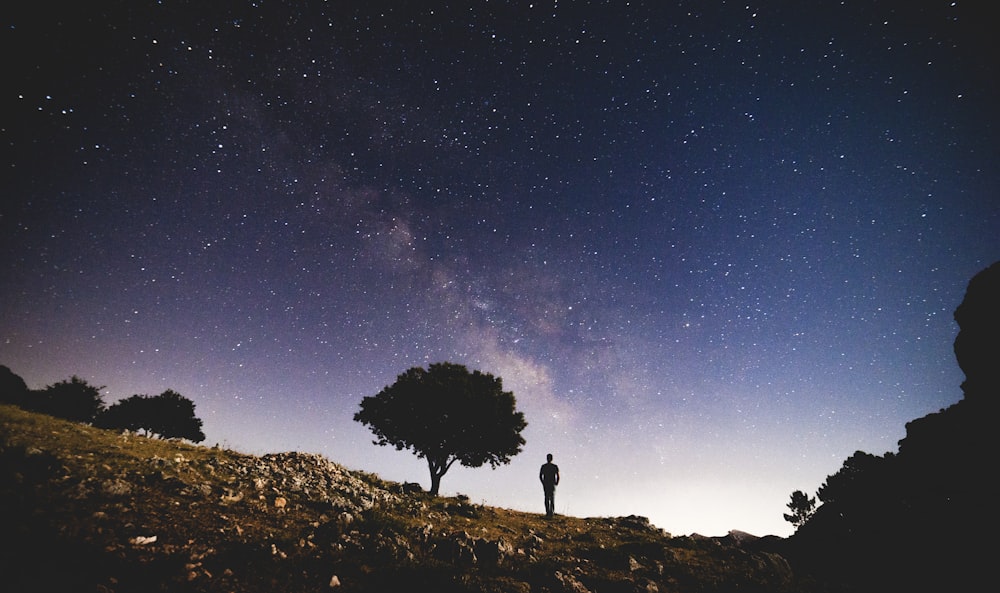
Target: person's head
{"x": 548, "y": 457}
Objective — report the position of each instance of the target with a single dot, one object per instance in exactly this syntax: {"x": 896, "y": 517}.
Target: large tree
{"x": 168, "y": 415}
{"x": 446, "y": 414}
{"x": 74, "y": 400}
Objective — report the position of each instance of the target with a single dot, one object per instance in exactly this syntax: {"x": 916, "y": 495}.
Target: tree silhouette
{"x": 446, "y": 414}
{"x": 858, "y": 473}
{"x": 176, "y": 417}
{"x": 74, "y": 400}
{"x": 127, "y": 414}
{"x": 168, "y": 415}
{"x": 802, "y": 507}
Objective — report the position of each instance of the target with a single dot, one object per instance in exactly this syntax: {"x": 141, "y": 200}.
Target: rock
{"x": 458, "y": 549}
{"x": 570, "y": 584}
{"x": 231, "y": 497}
{"x": 344, "y": 519}
{"x": 280, "y": 502}
{"x": 534, "y": 542}
{"x": 142, "y": 540}
{"x": 410, "y": 488}
{"x": 424, "y": 532}
{"x": 636, "y": 522}
{"x": 116, "y": 487}
{"x": 334, "y": 582}
{"x": 491, "y": 552}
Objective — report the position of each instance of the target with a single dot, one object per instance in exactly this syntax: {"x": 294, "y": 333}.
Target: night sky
{"x": 712, "y": 247}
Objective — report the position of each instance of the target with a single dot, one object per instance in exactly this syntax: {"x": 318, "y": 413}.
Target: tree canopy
{"x": 168, "y": 415}
{"x": 802, "y": 506}
{"x": 74, "y": 400}
{"x": 444, "y": 414}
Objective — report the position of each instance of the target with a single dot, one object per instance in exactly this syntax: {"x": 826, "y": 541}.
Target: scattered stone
{"x": 230, "y": 497}
{"x": 534, "y": 542}
{"x": 117, "y": 487}
{"x": 424, "y": 532}
{"x": 494, "y": 552}
{"x": 570, "y": 583}
{"x": 330, "y": 525}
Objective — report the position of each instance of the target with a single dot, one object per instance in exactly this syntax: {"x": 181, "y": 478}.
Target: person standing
{"x": 549, "y": 476}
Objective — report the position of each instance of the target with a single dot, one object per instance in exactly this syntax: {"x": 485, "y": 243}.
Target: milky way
{"x": 713, "y": 248}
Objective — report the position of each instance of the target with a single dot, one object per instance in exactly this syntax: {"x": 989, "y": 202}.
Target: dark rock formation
{"x": 914, "y": 520}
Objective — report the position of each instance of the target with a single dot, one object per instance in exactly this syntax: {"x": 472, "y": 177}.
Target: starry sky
{"x": 712, "y": 247}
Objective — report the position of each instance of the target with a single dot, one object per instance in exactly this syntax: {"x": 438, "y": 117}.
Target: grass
{"x": 77, "y": 496}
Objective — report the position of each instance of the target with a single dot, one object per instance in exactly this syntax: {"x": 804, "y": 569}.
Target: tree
{"x": 74, "y": 400}
{"x": 175, "y": 414}
{"x": 446, "y": 414}
{"x": 859, "y": 474}
{"x": 127, "y": 414}
{"x": 168, "y": 415}
{"x": 802, "y": 507}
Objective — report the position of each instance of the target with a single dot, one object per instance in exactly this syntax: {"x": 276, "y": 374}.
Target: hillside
{"x": 93, "y": 510}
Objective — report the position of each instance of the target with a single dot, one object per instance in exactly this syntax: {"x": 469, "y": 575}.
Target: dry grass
{"x": 75, "y": 492}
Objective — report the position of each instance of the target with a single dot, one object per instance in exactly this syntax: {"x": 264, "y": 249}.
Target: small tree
{"x": 168, "y": 415}
{"x": 446, "y": 414}
{"x": 802, "y": 507}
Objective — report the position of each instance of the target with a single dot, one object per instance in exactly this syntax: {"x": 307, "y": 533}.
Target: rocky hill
{"x": 85, "y": 509}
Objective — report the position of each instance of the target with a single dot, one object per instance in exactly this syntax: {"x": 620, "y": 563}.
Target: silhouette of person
{"x": 549, "y": 475}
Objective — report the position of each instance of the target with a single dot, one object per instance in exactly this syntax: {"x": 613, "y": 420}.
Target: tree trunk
{"x": 438, "y": 467}
{"x": 435, "y": 483}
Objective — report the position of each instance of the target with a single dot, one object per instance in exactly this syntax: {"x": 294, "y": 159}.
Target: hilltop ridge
{"x": 91, "y": 509}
